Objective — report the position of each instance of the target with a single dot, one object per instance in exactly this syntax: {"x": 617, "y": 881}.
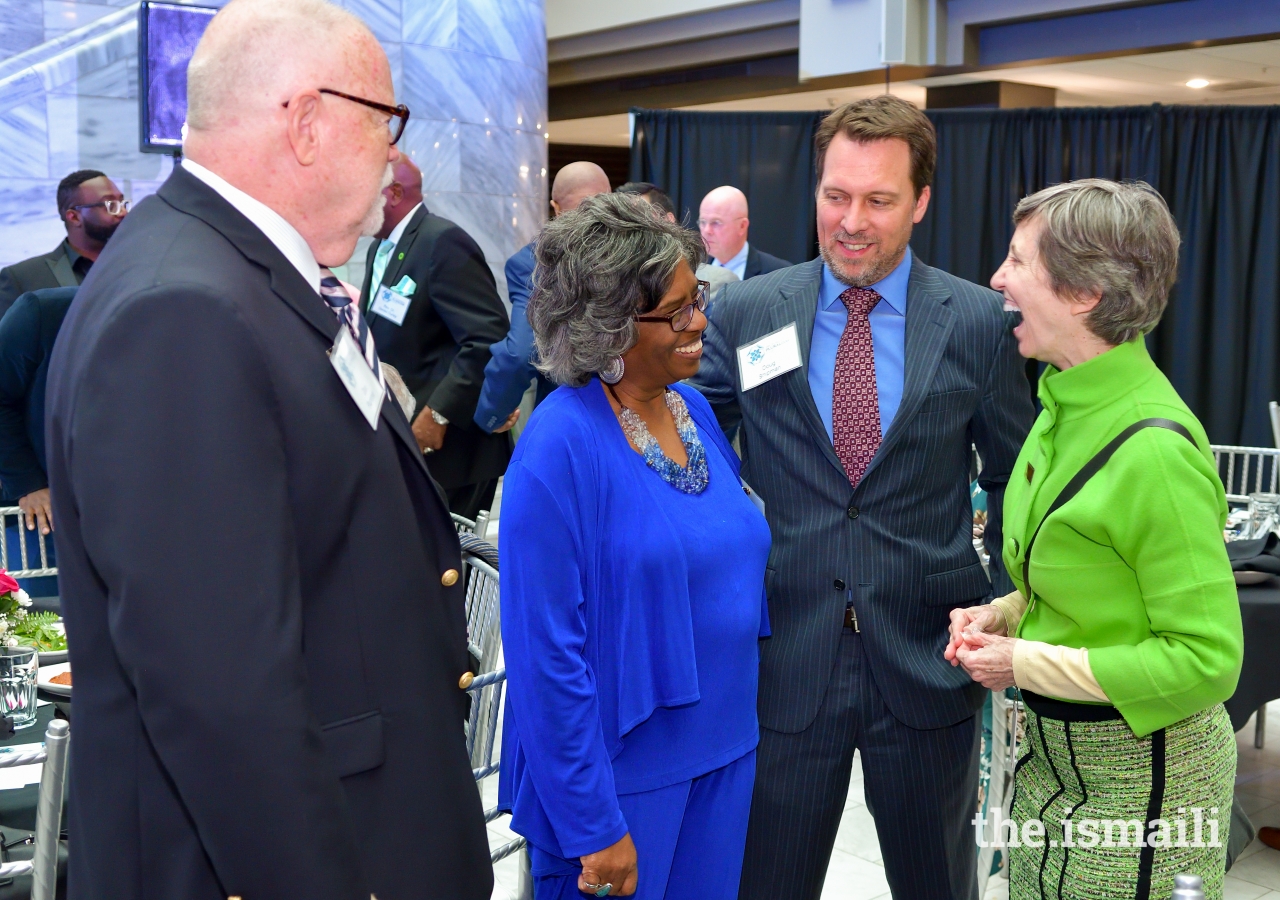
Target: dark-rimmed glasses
{"x": 682, "y": 318}
{"x": 113, "y": 207}
{"x": 399, "y": 113}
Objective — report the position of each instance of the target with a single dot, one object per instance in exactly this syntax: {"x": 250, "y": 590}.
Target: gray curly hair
{"x": 1115, "y": 238}
{"x": 598, "y": 267}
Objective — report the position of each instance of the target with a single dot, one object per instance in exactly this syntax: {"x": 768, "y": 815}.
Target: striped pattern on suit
{"x": 898, "y": 548}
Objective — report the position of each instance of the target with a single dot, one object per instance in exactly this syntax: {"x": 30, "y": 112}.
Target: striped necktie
{"x": 339, "y": 301}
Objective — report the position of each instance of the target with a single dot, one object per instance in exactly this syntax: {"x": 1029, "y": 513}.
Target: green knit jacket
{"x": 1134, "y": 567}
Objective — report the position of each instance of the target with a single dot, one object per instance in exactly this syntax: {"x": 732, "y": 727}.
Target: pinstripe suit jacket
{"x": 901, "y": 540}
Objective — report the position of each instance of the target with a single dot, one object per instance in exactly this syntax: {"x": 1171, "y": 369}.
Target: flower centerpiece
{"x": 21, "y": 627}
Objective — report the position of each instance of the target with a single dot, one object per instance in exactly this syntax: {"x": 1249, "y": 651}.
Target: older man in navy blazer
{"x": 259, "y": 577}
{"x": 861, "y": 381}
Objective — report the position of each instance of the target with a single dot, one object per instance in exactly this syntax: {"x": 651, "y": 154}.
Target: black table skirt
{"x": 1260, "y": 674}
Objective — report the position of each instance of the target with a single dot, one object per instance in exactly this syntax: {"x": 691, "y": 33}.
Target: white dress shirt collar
{"x": 737, "y": 265}
{"x": 269, "y": 222}
{"x": 398, "y": 231}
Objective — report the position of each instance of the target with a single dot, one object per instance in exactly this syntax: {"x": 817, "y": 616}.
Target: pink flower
{"x": 7, "y": 584}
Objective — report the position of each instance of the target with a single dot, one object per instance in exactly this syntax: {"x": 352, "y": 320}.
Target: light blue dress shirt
{"x": 738, "y": 264}
{"x": 888, "y": 341}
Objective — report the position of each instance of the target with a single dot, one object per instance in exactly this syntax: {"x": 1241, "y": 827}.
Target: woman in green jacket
{"x": 1129, "y": 638}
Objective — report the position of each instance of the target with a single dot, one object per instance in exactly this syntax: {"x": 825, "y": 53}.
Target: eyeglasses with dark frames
{"x": 682, "y": 318}
{"x": 113, "y": 207}
{"x": 399, "y": 113}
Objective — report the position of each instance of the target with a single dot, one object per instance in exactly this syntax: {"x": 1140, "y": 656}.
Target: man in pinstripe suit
{"x": 861, "y": 453}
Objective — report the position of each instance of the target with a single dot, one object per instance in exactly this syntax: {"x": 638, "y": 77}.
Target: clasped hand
{"x": 979, "y": 645}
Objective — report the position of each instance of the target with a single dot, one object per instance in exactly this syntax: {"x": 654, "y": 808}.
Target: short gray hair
{"x": 598, "y": 267}
{"x": 254, "y": 46}
{"x": 1114, "y": 238}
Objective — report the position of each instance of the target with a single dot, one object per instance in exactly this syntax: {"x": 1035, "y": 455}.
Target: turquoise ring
{"x": 600, "y": 890}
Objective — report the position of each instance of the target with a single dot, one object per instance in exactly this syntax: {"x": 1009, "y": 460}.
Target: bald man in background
{"x": 434, "y": 309}
{"x": 511, "y": 369}
{"x": 262, "y": 594}
{"x": 723, "y": 223}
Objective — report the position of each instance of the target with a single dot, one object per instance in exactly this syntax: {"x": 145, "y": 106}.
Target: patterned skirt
{"x": 1121, "y": 815}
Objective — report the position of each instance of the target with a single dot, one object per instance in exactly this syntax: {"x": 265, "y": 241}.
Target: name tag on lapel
{"x": 356, "y": 376}
{"x": 391, "y": 305}
{"x": 772, "y": 355}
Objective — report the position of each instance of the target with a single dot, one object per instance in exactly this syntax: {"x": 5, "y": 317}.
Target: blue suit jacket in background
{"x": 898, "y": 546}
{"x": 510, "y": 366}
{"x": 27, "y": 333}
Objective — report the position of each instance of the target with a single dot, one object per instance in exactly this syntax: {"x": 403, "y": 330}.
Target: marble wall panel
{"x": 504, "y": 29}
{"x": 108, "y": 138}
{"x": 24, "y": 137}
{"x": 118, "y": 79}
{"x": 430, "y": 23}
{"x": 483, "y": 216}
{"x": 445, "y": 85}
{"x": 64, "y": 134}
{"x": 382, "y": 16}
{"x": 61, "y": 16}
{"x": 435, "y": 147}
{"x": 488, "y": 160}
{"x": 530, "y": 155}
{"x": 21, "y": 26}
{"x": 29, "y": 223}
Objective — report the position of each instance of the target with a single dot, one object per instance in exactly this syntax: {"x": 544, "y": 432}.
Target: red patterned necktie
{"x": 855, "y": 405}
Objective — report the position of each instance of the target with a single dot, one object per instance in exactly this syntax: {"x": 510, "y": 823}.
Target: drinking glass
{"x": 1264, "y": 514}
{"x": 18, "y": 667}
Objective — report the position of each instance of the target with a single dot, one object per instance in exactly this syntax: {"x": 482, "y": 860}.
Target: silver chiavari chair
{"x": 43, "y": 865}
{"x": 486, "y": 686}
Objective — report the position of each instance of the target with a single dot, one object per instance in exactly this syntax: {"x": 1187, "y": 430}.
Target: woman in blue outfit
{"x": 632, "y": 579}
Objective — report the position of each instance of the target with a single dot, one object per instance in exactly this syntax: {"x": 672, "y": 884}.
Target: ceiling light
{"x": 1198, "y": 83}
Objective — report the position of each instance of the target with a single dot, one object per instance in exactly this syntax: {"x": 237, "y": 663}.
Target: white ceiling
{"x": 1247, "y": 73}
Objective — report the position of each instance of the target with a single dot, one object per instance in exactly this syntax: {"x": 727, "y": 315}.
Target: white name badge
{"x": 390, "y": 305}
{"x": 356, "y": 376}
{"x": 772, "y": 355}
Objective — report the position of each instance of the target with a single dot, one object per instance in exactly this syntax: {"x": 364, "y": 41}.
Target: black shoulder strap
{"x": 1088, "y": 471}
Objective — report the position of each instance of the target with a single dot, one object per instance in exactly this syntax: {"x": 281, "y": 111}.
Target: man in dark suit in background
{"x": 861, "y": 380}
{"x": 259, "y": 579}
{"x": 91, "y": 207}
{"x": 724, "y": 225}
{"x": 510, "y": 368}
{"x": 433, "y": 307}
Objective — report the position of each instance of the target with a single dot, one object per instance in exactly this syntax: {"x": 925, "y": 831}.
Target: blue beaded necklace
{"x": 691, "y": 479}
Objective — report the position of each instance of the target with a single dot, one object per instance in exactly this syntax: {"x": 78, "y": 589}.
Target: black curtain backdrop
{"x": 1218, "y": 168}
{"x": 768, "y": 155}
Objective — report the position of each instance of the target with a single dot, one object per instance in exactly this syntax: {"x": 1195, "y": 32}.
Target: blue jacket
{"x": 596, "y": 637}
{"x": 510, "y": 366}
{"x": 27, "y": 333}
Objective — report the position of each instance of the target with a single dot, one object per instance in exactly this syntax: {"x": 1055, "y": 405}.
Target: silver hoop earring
{"x": 612, "y": 373}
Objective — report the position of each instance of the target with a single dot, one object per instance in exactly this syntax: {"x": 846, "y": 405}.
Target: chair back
{"x": 484, "y": 640}
{"x": 1247, "y": 470}
{"x": 43, "y": 865}
{"x": 26, "y": 564}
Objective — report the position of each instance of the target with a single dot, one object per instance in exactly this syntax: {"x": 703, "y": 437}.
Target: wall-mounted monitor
{"x": 167, "y": 37}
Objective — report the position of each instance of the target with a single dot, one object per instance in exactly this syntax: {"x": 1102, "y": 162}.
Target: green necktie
{"x": 380, "y": 260}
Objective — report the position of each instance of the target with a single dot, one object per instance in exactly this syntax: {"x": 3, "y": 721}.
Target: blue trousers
{"x": 689, "y": 839}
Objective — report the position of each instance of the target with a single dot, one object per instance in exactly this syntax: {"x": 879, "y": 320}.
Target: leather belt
{"x": 850, "y": 618}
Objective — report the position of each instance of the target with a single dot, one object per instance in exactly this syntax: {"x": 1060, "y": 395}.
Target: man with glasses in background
{"x": 723, "y": 223}
{"x": 90, "y": 206}
{"x": 433, "y": 308}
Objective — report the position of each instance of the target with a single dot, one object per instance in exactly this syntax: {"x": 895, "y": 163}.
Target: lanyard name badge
{"x": 392, "y": 303}
{"x": 764, "y": 359}
{"x": 356, "y": 376}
